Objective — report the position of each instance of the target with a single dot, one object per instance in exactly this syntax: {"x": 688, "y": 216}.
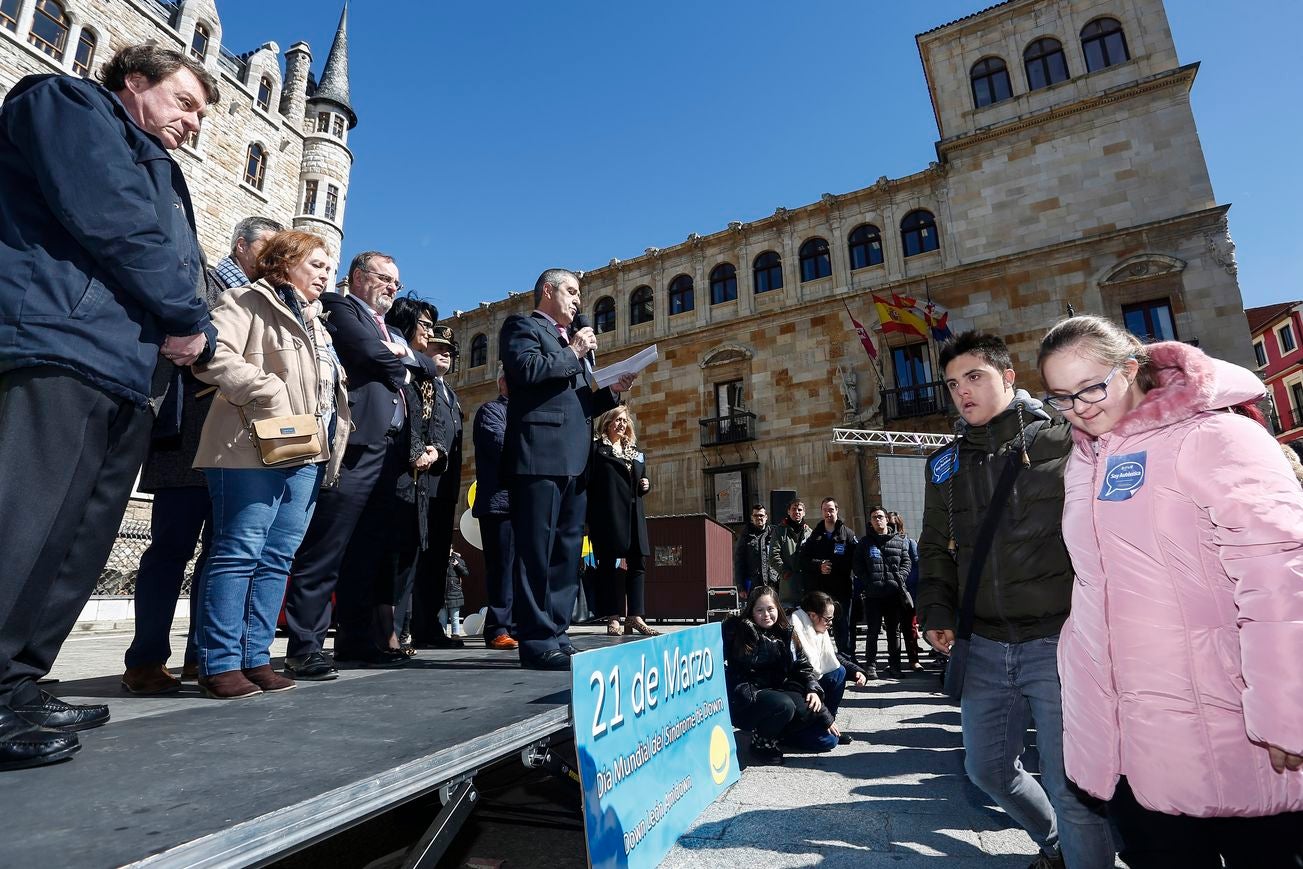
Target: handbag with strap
{"x": 957, "y": 663}
{"x": 284, "y": 439}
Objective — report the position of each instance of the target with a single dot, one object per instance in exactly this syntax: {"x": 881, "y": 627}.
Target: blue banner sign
{"x": 654, "y": 741}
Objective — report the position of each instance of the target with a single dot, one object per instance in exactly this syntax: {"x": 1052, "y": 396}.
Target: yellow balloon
{"x": 588, "y": 548}
{"x": 470, "y": 493}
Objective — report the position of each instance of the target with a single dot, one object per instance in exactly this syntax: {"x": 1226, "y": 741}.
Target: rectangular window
{"x": 1296, "y": 396}
{"x": 310, "y": 196}
{"x": 337, "y": 126}
{"x": 85, "y": 53}
{"x": 1150, "y": 321}
{"x": 323, "y": 122}
{"x": 192, "y": 140}
{"x": 1285, "y": 338}
{"x": 727, "y": 397}
{"x": 332, "y": 201}
{"x": 1260, "y": 353}
{"x": 199, "y": 42}
{"x": 912, "y": 365}
{"x": 9, "y": 14}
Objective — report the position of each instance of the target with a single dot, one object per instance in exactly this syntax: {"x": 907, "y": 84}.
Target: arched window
{"x": 990, "y": 79}
{"x": 767, "y": 272}
{"x": 1045, "y": 63}
{"x": 49, "y": 28}
{"x": 816, "y": 262}
{"x": 723, "y": 283}
{"x": 479, "y": 351}
{"x": 199, "y": 42}
{"x": 918, "y": 232}
{"x": 604, "y": 315}
{"x": 81, "y": 62}
{"x": 866, "y": 246}
{"x": 264, "y": 93}
{"x": 1103, "y": 43}
{"x": 9, "y": 10}
{"x": 640, "y": 306}
{"x": 681, "y": 295}
{"x": 255, "y": 169}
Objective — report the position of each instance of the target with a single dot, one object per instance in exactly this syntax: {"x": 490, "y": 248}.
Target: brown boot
{"x": 231, "y": 685}
{"x": 268, "y": 679}
{"x": 189, "y": 672}
{"x": 150, "y": 679}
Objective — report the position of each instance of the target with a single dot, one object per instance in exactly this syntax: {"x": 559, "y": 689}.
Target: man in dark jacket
{"x": 826, "y": 561}
{"x": 182, "y": 511}
{"x": 493, "y": 510}
{"x": 99, "y": 272}
{"x": 882, "y": 565}
{"x": 756, "y": 560}
{"x": 791, "y": 534}
{"x": 1024, "y": 591}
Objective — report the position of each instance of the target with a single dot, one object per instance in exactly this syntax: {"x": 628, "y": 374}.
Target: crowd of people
{"x": 1119, "y": 564}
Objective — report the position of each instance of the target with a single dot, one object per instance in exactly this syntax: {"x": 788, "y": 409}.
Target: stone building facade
{"x": 276, "y": 145}
{"x": 1068, "y": 174}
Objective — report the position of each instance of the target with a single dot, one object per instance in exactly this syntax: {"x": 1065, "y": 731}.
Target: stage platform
{"x": 186, "y": 781}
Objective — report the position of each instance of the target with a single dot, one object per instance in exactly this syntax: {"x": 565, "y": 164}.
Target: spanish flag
{"x": 899, "y": 318}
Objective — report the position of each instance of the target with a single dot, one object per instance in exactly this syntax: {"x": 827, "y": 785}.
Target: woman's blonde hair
{"x": 630, "y": 438}
{"x": 1098, "y": 339}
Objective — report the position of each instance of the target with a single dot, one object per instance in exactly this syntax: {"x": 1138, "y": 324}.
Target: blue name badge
{"x": 839, "y": 549}
{"x": 654, "y": 742}
{"x": 875, "y": 552}
{"x": 1123, "y": 477}
{"x": 945, "y": 464}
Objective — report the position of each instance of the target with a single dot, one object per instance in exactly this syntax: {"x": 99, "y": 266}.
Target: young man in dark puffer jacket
{"x": 882, "y": 564}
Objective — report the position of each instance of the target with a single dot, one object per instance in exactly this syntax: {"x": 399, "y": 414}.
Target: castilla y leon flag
{"x": 899, "y": 318}
{"x": 940, "y": 331}
{"x": 864, "y": 336}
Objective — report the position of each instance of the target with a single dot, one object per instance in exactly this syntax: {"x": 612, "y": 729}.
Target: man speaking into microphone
{"x": 547, "y": 359}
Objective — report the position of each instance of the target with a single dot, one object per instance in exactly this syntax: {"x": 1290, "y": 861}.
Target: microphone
{"x": 581, "y": 322}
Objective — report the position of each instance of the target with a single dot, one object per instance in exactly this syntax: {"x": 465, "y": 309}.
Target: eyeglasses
{"x": 387, "y": 280}
{"x": 826, "y": 619}
{"x": 1093, "y": 394}
{"x": 426, "y": 325}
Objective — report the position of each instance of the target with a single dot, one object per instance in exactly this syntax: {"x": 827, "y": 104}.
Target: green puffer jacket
{"x": 1026, "y": 585}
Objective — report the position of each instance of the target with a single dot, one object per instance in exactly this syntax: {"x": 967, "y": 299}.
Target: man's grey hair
{"x": 251, "y": 227}
{"x": 553, "y": 277}
{"x": 362, "y": 262}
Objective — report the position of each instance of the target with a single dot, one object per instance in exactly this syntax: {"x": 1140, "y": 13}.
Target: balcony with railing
{"x": 734, "y": 428}
{"x": 925, "y": 399}
{"x": 1284, "y": 419}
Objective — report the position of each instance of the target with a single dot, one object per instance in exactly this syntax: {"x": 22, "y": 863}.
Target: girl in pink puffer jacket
{"x": 1182, "y": 661}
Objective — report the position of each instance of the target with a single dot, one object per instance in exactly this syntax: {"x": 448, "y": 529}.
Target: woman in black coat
{"x": 617, "y": 522}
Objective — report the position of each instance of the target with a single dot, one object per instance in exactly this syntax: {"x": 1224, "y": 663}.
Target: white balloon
{"x": 470, "y": 530}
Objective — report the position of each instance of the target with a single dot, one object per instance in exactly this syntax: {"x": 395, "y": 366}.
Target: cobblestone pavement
{"x": 897, "y": 796}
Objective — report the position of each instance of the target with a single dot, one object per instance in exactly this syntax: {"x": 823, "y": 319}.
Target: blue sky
{"x": 497, "y": 139}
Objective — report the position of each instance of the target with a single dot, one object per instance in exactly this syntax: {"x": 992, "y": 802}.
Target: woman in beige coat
{"x": 274, "y": 358}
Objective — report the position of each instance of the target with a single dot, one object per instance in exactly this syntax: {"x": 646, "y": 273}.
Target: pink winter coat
{"x": 1185, "y": 643}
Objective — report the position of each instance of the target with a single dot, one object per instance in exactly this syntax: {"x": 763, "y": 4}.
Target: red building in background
{"x": 1277, "y": 332}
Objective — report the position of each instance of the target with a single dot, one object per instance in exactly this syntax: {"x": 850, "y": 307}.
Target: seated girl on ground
{"x": 811, "y": 621}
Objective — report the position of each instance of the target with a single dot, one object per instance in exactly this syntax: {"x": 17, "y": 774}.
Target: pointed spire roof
{"x": 334, "y": 78}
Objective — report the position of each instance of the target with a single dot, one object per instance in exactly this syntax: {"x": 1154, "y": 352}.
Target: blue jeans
{"x": 1007, "y": 686}
{"x": 259, "y": 518}
{"x": 834, "y": 688}
{"x": 178, "y": 520}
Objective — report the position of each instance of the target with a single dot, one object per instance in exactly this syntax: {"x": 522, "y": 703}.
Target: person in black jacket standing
{"x": 882, "y": 566}
{"x": 492, "y": 509}
{"x": 826, "y": 560}
{"x": 617, "y": 522}
{"x": 100, "y": 270}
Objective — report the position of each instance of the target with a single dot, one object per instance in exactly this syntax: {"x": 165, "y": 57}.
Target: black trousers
{"x": 1154, "y": 840}
{"x": 547, "y": 524}
{"x": 891, "y": 613}
{"x": 431, "y": 578}
{"x": 71, "y": 453}
{"x": 615, "y": 587}
{"x": 499, "y": 557}
{"x": 776, "y": 713}
{"x": 317, "y": 565}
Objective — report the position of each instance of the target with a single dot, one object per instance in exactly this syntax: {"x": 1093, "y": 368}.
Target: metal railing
{"x": 910, "y": 401}
{"x": 1285, "y": 419}
{"x": 118, "y": 577}
{"x": 737, "y": 427}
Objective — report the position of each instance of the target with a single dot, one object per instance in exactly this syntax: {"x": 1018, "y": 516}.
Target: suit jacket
{"x": 445, "y": 482}
{"x": 550, "y": 414}
{"x": 492, "y": 498}
{"x": 617, "y": 518}
{"x": 375, "y": 375}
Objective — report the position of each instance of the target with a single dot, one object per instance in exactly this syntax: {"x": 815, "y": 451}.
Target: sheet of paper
{"x": 637, "y": 362}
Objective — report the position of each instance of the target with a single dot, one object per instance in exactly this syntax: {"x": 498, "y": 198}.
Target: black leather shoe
{"x": 23, "y": 745}
{"x": 372, "y": 658}
{"x": 439, "y": 641}
{"x": 52, "y": 713}
{"x": 553, "y": 659}
{"x": 313, "y": 667}
{"x": 570, "y": 650}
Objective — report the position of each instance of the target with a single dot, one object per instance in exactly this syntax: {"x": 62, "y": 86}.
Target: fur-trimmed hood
{"x": 1190, "y": 382}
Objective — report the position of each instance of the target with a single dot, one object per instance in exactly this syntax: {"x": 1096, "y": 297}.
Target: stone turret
{"x": 327, "y": 161}
{"x": 294, "y": 94}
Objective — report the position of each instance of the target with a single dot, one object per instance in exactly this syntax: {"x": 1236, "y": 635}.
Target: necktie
{"x": 561, "y": 331}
